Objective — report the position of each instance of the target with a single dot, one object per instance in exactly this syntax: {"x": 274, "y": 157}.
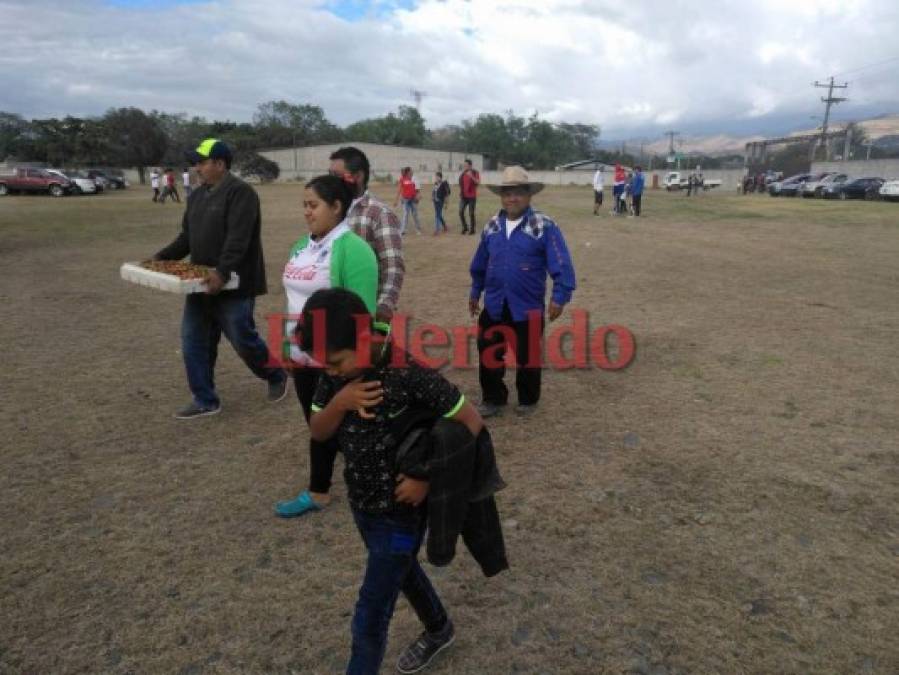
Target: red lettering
{"x": 578, "y": 332}
{"x": 365, "y": 338}
{"x": 627, "y": 347}
{"x": 461, "y": 345}
{"x": 276, "y": 341}
{"x": 535, "y": 339}
{"x": 399, "y": 324}
{"x": 491, "y": 357}
{"x": 428, "y": 335}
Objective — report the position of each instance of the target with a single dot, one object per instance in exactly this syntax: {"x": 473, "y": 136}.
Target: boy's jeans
{"x": 205, "y": 318}
{"x": 410, "y": 206}
{"x": 439, "y": 222}
{"x": 392, "y": 543}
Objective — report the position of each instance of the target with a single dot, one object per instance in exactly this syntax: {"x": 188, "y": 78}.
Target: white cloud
{"x": 621, "y": 65}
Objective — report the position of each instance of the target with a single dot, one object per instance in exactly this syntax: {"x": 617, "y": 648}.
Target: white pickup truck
{"x": 677, "y": 180}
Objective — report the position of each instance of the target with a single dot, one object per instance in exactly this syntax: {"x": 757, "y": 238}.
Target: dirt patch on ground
{"x": 727, "y": 504}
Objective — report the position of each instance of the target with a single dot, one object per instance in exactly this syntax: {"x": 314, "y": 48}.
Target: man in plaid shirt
{"x": 372, "y": 220}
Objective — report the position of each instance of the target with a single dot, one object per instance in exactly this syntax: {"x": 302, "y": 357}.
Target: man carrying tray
{"x": 221, "y": 228}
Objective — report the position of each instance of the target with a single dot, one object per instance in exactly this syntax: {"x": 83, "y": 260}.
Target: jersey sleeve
{"x": 324, "y": 392}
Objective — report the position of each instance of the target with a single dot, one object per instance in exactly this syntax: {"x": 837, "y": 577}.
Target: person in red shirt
{"x": 468, "y": 195}
{"x": 170, "y": 190}
{"x": 409, "y": 191}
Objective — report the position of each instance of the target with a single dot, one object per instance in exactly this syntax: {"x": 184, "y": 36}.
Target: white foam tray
{"x": 136, "y": 274}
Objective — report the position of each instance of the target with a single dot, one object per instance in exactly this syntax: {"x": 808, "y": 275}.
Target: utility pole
{"x": 417, "y": 95}
{"x": 829, "y": 101}
{"x": 671, "y": 154}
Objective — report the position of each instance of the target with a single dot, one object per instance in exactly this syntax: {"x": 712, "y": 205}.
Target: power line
{"x": 865, "y": 67}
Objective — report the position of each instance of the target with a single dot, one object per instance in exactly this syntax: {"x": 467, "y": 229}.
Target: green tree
{"x": 13, "y": 134}
{"x": 254, "y": 164}
{"x": 406, "y": 127}
{"x": 279, "y": 123}
{"x": 134, "y": 138}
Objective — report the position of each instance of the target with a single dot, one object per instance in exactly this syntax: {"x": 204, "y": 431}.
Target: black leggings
{"x": 322, "y": 454}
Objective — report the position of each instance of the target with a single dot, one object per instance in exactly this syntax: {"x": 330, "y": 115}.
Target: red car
{"x": 35, "y": 180}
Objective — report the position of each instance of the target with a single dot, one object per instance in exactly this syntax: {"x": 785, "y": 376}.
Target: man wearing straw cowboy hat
{"x": 518, "y": 248}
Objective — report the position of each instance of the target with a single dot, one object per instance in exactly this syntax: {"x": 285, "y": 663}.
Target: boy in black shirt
{"x": 356, "y": 399}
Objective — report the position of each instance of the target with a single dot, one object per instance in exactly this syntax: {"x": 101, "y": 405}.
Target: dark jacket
{"x": 222, "y": 228}
{"x": 463, "y": 477}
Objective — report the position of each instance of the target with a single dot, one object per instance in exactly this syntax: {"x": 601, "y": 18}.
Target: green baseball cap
{"x": 211, "y": 148}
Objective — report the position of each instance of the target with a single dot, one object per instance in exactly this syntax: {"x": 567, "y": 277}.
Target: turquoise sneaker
{"x": 297, "y": 507}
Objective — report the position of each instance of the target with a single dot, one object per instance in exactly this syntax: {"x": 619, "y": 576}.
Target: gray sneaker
{"x": 196, "y": 410}
{"x": 277, "y": 390}
{"x": 486, "y": 410}
{"x": 421, "y": 652}
{"x": 525, "y": 410}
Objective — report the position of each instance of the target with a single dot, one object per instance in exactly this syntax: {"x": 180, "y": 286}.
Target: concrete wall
{"x": 385, "y": 160}
{"x": 879, "y": 168}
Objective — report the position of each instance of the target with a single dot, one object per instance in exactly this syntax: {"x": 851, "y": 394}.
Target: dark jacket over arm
{"x": 463, "y": 478}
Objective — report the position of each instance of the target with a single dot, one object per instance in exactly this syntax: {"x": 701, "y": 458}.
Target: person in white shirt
{"x": 154, "y": 183}
{"x": 185, "y": 180}
{"x": 597, "y": 191}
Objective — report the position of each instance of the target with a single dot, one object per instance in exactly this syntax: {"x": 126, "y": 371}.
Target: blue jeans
{"x": 410, "y": 206}
{"x": 205, "y": 318}
{"x": 392, "y": 543}
{"x": 439, "y": 222}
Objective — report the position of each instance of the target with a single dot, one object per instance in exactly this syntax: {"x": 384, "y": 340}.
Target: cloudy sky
{"x": 634, "y": 67}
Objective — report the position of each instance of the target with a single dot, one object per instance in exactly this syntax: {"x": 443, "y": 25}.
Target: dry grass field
{"x": 728, "y": 504}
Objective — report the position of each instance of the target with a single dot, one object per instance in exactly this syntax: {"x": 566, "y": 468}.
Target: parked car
{"x": 890, "y": 190}
{"x": 792, "y": 183}
{"x": 675, "y": 180}
{"x": 860, "y": 188}
{"x": 815, "y": 188}
{"x": 35, "y": 180}
{"x": 83, "y": 184}
{"x": 795, "y": 189}
{"x": 113, "y": 181}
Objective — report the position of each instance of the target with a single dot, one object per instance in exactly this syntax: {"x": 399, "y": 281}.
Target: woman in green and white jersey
{"x": 330, "y": 256}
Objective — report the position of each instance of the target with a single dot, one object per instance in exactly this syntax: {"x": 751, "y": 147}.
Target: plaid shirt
{"x": 378, "y": 225}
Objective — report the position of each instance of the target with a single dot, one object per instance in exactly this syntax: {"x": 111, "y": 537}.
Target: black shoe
{"x": 196, "y": 410}
{"x": 486, "y": 410}
{"x": 471, "y": 232}
{"x": 277, "y": 390}
{"x": 464, "y": 230}
{"x": 525, "y": 409}
{"x": 420, "y": 653}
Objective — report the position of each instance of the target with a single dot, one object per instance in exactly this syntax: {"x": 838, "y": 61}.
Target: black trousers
{"x": 470, "y": 203}
{"x": 322, "y": 454}
{"x": 636, "y": 199}
{"x": 527, "y": 380}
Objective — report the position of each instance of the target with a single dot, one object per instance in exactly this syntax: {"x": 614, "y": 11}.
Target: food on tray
{"x": 178, "y": 268}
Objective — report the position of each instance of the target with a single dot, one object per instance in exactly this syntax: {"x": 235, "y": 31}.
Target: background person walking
{"x": 409, "y": 191}
{"x": 154, "y": 183}
{"x": 597, "y": 190}
{"x": 468, "y": 196}
{"x": 439, "y": 194}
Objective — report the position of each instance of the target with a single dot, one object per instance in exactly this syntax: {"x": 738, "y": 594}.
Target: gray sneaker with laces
{"x": 420, "y": 653}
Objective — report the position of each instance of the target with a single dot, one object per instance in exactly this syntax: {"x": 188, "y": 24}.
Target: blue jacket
{"x": 637, "y": 187}
{"x": 514, "y": 270}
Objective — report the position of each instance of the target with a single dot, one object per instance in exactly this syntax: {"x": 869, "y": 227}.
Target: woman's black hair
{"x": 333, "y": 311}
{"x": 332, "y": 189}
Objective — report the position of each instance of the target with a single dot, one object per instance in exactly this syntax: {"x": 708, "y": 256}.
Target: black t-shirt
{"x": 367, "y": 444}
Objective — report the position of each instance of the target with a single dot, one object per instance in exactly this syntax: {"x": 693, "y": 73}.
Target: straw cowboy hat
{"x": 516, "y": 176}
